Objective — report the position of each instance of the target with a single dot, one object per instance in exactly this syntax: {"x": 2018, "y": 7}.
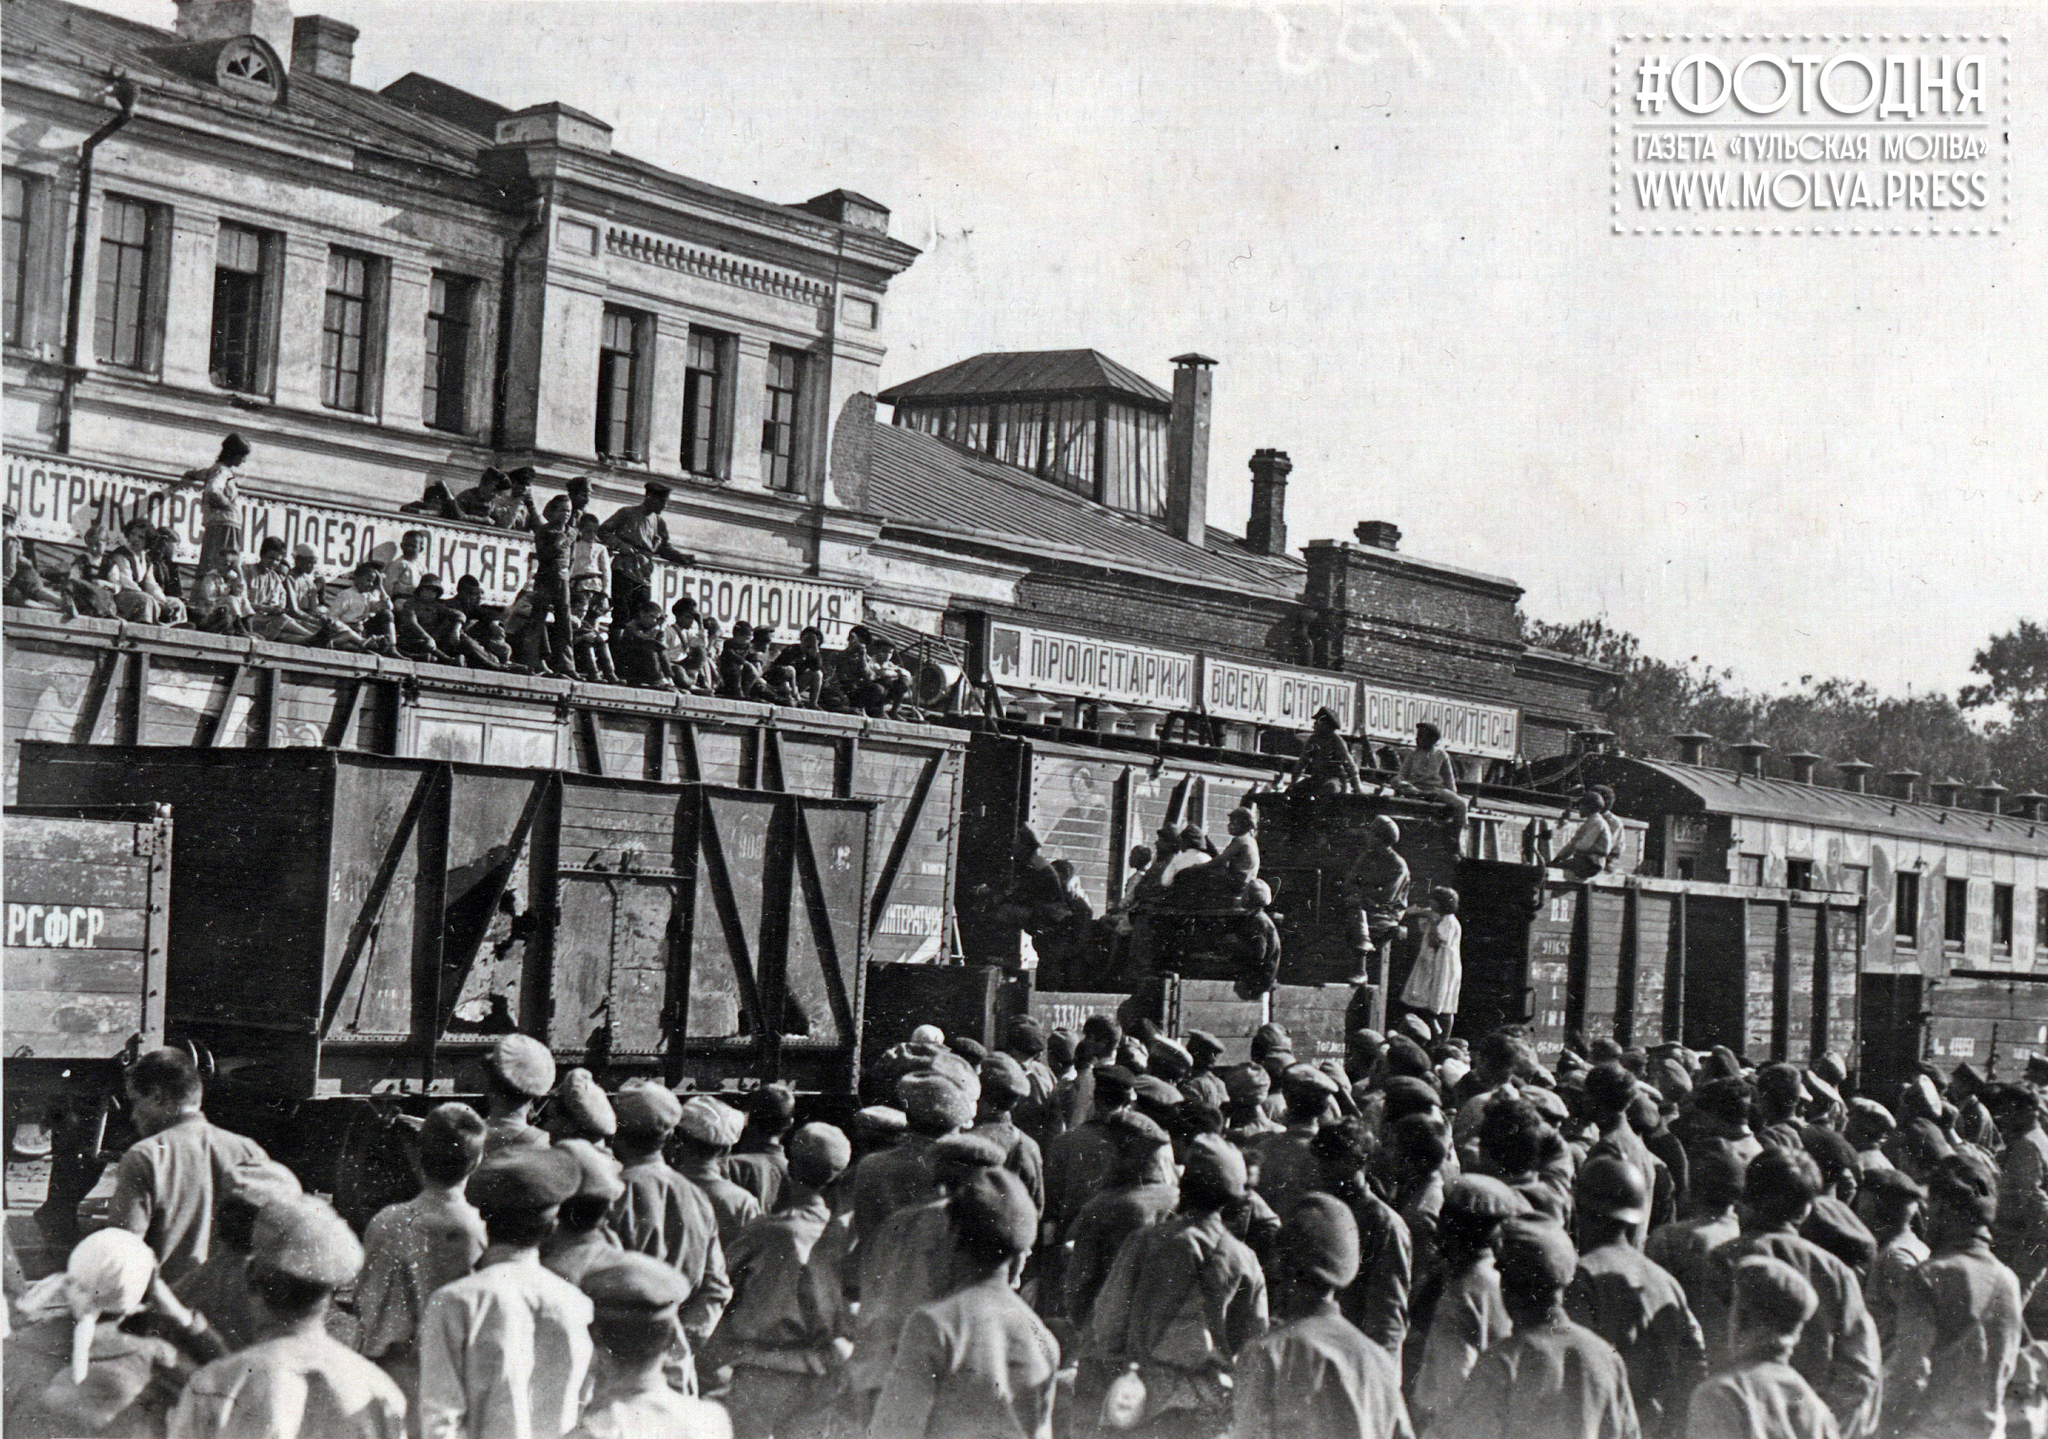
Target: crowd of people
{"x": 1109, "y": 1232}
{"x": 586, "y": 611}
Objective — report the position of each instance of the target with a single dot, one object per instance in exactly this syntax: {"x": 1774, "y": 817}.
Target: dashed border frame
{"x": 2000, "y": 38}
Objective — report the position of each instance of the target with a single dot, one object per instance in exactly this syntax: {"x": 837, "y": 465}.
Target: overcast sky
{"x": 1793, "y": 456}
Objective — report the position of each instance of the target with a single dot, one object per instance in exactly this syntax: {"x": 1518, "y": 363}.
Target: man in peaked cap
{"x": 1078, "y": 1162}
{"x": 1959, "y": 1322}
{"x": 777, "y": 1335}
{"x": 1005, "y": 1085}
{"x": 634, "y": 1303}
{"x": 1838, "y": 1351}
{"x": 1287, "y": 1169}
{"x": 1760, "y": 1395}
{"x": 1246, "y": 1119}
{"x": 1187, "y": 1270}
{"x": 1869, "y": 1125}
{"x": 504, "y": 1351}
{"x": 1683, "y": 1248}
{"x": 1315, "y": 1375}
{"x": 758, "y": 1163}
{"x": 1628, "y": 1299}
{"x": 1609, "y": 1091}
{"x": 976, "y": 1361}
{"x": 582, "y": 1240}
{"x": 1140, "y": 1191}
{"x": 1169, "y": 1059}
{"x": 2019, "y": 1234}
{"x": 518, "y": 1072}
{"x": 1378, "y": 1302}
{"x": 219, "y": 1288}
{"x": 706, "y": 1131}
{"x": 1889, "y": 1202}
{"x": 1024, "y": 1040}
{"x": 298, "y": 1380}
{"x": 1468, "y": 1317}
{"x": 934, "y": 1105}
{"x": 580, "y": 1110}
{"x": 663, "y": 1214}
{"x": 1204, "y": 1081}
{"x": 1551, "y": 1378}
{"x": 906, "y": 1263}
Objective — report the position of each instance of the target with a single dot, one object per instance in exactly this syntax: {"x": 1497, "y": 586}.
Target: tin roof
{"x": 1665, "y": 785}
{"x": 1028, "y": 372}
{"x": 933, "y": 487}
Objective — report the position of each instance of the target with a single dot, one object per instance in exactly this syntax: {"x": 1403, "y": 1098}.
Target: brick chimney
{"x": 1901, "y": 783}
{"x": 1379, "y": 534}
{"x": 1752, "y": 752}
{"x": 1187, "y": 449}
{"x": 268, "y": 20}
{"x": 1265, "y": 533}
{"x": 1692, "y": 746}
{"x": 324, "y": 46}
{"x": 1855, "y": 775}
{"x": 1803, "y": 763}
{"x": 1991, "y": 797}
{"x": 1946, "y": 792}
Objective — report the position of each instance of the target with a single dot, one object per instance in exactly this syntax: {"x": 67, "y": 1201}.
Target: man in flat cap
{"x": 1631, "y": 1301}
{"x": 1037, "y": 1114}
{"x": 1141, "y": 1191}
{"x": 1183, "y": 1297}
{"x": 906, "y": 1263}
{"x": 1246, "y": 1120}
{"x": 1889, "y": 1202}
{"x": 298, "y": 1380}
{"x": 663, "y": 1214}
{"x": 1287, "y": 1168}
{"x": 1684, "y": 1247}
{"x": 518, "y": 1073}
{"x": 1610, "y": 1091}
{"x": 1760, "y": 1395}
{"x": 758, "y": 1163}
{"x": 935, "y": 1104}
{"x": 1204, "y": 1082}
{"x": 1959, "y": 1323}
{"x": 504, "y": 1351}
{"x": 777, "y": 1334}
{"x": 413, "y": 1248}
{"x": 1468, "y": 1316}
{"x": 583, "y": 1240}
{"x": 1004, "y": 1086}
{"x": 706, "y": 1131}
{"x": 1551, "y": 1378}
{"x": 977, "y": 1360}
{"x": 1315, "y": 1376}
{"x": 637, "y": 536}
{"x": 1077, "y": 1162}
{"x": 1838, "y": 1351}
{"x": 2019, "y": 1234}
{"x": 219, "y": 1288}
{"x": 580, "y": 1110}
{"x": 635, "y": 1302}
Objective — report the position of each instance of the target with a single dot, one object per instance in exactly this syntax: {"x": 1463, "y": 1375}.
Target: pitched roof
{"x": 1028, "y": 372}
{"x": 1698, "y": 788}
{"x": 934, "y": 488}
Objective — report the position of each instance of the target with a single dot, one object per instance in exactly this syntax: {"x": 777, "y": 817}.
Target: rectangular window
{"x": 618, "y": 385}
{"x": 129, "y": 235}
{"x": 2001, "y": 917}
{"x": 450, "y": 301}
{"x": 17, "y": 229}
{"x": 1751, "y": 871}
{"x": 240, "y": 304}
{"x": 345, "y": 330}
{"x": 1955, "y": 912}
{"x": 1799, "y": 874}
{"x": 703, "y": 393}
{"x": 2040, "y": 925}
{"x": 778, "y": 427}
{"x": 1906, "y": 903}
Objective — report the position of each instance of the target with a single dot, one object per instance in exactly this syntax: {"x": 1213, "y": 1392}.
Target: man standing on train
{"x": 1378, "y": 884}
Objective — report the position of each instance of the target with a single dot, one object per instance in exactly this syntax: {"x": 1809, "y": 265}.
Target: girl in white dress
{"x": 1432, "y": 988}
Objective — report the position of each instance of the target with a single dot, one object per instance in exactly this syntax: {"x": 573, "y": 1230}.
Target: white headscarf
{"x": 108, "y": 1273}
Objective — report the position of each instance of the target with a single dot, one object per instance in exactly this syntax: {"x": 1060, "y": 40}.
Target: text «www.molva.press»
{"x": 1806, "y": 134}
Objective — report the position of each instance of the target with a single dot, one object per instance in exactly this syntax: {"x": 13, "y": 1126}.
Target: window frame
{"x": 265, "y": 287}
{"x": 1906, "y": 909}
{"x": 153, "y": 275}
{"x": 1749, "y": 870}
{"x": 368, "y": 339}
{"x": 437, "y": 356}
{"x": 717, "y": 445}
{"x": 2040, "y": 924}
{"x": 1799, "y": 874}
{"x": 790, "y": 429}
{"x": 23, "y": 268}
{"x": 635, "y": 390}
{"x": 1955, "y": 913}
{"x": 2003, "y": 897}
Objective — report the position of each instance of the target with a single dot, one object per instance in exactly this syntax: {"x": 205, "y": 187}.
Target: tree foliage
{"x": 1653, "y": 699}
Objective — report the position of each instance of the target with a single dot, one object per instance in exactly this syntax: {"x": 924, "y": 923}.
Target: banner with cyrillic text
{"x": 1468, "y": 728}
{"x": 1024, "y": 658}
{"x": 1289, "y": 699}
{"x": 58, "y": 499}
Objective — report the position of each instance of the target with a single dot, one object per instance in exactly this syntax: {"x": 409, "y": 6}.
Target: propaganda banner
{"x": 1261, "y": 694}
{"x": 1468, "y": 728}
{"x": 1021, "y": 657}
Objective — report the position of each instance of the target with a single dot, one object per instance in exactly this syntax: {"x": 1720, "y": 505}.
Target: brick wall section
{"x": 1176, "y": 618}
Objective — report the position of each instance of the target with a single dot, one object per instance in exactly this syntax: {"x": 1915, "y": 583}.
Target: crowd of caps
{"x": 1110, "y": 1232}
{"x": 587, "y": 609}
